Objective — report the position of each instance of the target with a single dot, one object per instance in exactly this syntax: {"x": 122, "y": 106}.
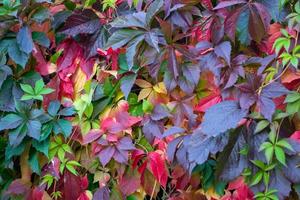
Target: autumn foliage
{"x": 149, "y": 99}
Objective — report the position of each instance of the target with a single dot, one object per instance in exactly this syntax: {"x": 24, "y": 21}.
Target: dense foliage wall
{"x": 149, "y": 99}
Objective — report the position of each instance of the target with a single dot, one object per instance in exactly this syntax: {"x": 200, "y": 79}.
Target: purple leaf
{"x": 231, "y": 22}
{"x": 121, "y": 156}
{"x": 280, "y": 183}
{"x": 201, "y": 146}
{"x": 153, "y": 129}
{"x": 172, "y": 62}
{"x": 267, "y": 107}
{"x": 152, "y": 39}
{"x": 224, "y": 4}
{"x": 223, "y": 50}
{"x": 127, "y": 83}
{"x": 81, "y": 21}
{"x": 274, "y": 90}
{"x": 102, "y": 194}
{"x": 292, "y": 170}
{"x": 221, "y": 117}
{"x": 172, "y": 147}
{"x": 91, "y": 136}
{"x": 125, "y": 143}
{"x": 106, "y": 154}
{"x": 172, "y": 131}
{"x": 131, "y": 20}
{"x": 159, "y": 112}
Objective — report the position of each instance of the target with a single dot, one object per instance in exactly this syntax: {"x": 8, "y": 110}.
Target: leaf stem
{"x": 152, "y": 193}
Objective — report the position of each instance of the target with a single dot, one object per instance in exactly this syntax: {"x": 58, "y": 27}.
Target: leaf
{"x": 224, "y": 4}
{"x": 41, "y": 38}
{"x": 261, "y": 125}
{"x": 127, "y": 83}
{"x": 63, "y": 126}
{"x": 172, "y": 131}
{"x": 17, "y": 55}
{"x": 159, "y": 112}
{"x": 201, "y": 146}
{"x": 280, "y": 155}
{"x": 34, "y": 163}
{"x": 106, "y": 154}
{"x": 158, "y": 168}
{"x": 42, "y": 147}
{"x": 102, "y": 194}
{"x": 10, "y": 121}
{"x": 131, "y": 20}
{"x": 17, "y": 135}
{"x": 256, "y": 26}
{"x": 152, "y": 39}
{"x": 153, "y": 9}
{"x": 230, "y": 162}
{"x": 130, "y": 182}
{"x": 53, "y": 108}
{"x": 24, "y": 39}
{"x": 131, "y": 49}
{"x": 223, "y": 50}
{"x": 81, "y": 21}
{"x": 221, "y": 117}
{"x": 122, "y": 37}
{"x": 34, "y": 129}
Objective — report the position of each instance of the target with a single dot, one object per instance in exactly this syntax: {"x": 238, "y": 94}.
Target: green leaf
{"x": 42, "y": 147}
{"x": 266, "y": 178}
{"x": 284, "y": 143}
{"x": 46, "y": 91}
{"x": 89, "y": 110}
{"x": 40, "y": 15}
{"x": 280, "y": 155}
{"x": 63, "y": 126}
{"x": 61, "y": 154}
{"x": 39, "y": 86}
{"x": 10, "y": 121}
{"x": 34, "y": 162}
{"x": 269, "y": 153}
{"x": 26, "y": 97}
{"x": 259, "y": 164}
{"x": 261, "y": 125}
{"x": 293, "y": 107}
{"x": 27, "y": 88}
{"x": 256, "y": 178}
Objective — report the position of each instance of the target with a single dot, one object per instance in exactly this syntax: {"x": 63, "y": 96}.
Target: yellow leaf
{"x": 142, "y": 83}
{"x": 160, "y": 88}
{"x": 144, "y": 93}
{"x": 79, "y": 80}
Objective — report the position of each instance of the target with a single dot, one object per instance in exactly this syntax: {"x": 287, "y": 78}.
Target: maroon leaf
{"x": 81, "y": 21}
{"x": 225, "y": 4}
{"x": 256, "y": 26}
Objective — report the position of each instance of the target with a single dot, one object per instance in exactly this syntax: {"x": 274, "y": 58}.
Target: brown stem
{"x": 25, "y": 168}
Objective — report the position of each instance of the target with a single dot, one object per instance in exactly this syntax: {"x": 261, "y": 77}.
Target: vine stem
{"x": 275, "y": 79}
{"x": 152, "y": 193}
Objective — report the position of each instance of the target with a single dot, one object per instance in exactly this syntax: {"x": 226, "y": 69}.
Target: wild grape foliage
{"x": 149, "y": 99}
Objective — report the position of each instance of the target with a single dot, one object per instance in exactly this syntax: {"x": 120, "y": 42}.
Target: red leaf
{"x": 296, "y": 136}
{"x": 43, "y": 67}
{"x": 130, "y": 182}
{"x": 119, "y": 119}
{"x": 158, "y": 167}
